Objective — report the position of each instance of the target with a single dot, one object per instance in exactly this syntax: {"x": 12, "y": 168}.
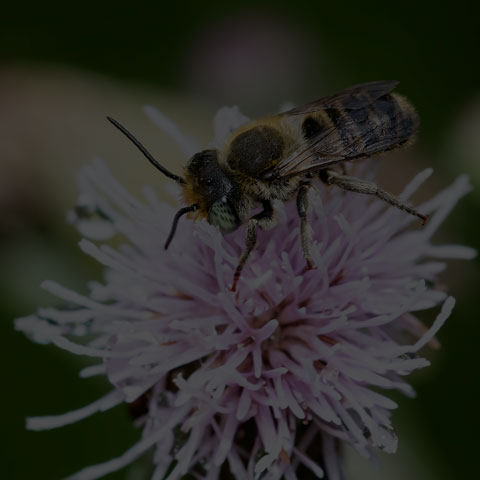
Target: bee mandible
{"x": 278, "y": 157}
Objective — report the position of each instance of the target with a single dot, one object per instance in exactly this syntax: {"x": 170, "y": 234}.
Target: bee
{"x": 278, "y": 158}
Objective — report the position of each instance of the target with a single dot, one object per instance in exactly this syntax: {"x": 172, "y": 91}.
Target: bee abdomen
{"x": 388, "y": 122}
{"x": 311, "y": 127}
{"x": 392, "y": 120}
{"x": 351, "y": 127}
{"x": 405, "y": 118}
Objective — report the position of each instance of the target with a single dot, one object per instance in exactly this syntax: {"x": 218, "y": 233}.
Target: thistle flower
{"x": 268, "y": 381}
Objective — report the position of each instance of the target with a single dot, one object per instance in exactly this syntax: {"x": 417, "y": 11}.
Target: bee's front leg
{"x": 305, "y": 229}
{"x": 264, "y": 219}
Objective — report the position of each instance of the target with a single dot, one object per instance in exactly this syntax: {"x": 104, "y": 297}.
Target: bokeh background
{"x": 64, "y": 66}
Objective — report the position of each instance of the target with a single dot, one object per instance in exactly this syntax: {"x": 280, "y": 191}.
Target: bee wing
{"x": 313, "y": 155}
{"x": 326, "y": 150}
{"x": 353, "y": 98}
{"x": 329, "y": 146}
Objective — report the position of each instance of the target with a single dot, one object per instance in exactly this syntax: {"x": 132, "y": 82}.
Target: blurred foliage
{"x": 431, "y": 47}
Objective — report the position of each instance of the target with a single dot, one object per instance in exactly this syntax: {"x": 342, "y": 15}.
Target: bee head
{"x": 207, "y": 188}
{"x": 213, "y": 190}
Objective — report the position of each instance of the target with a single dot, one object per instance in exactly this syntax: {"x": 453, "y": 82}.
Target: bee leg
{"x": 362, "y": 186}
{"x": 305, "y": 230}
{"x": 264, "y": 219}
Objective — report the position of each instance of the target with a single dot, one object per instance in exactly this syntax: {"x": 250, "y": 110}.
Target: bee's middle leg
{"x": 305, "y": 229}
{"x": 264, "y": 219}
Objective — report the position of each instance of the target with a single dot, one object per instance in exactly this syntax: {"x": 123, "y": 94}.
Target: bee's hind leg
{"x": 305, "y": 229}
{"x": 264, "y": 219}
{"x": 358, "y": 185}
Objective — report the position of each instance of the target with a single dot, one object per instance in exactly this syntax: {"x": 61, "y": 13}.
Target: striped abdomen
{"x": 385, "y": 123}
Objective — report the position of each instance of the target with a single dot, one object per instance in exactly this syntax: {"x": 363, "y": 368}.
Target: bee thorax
{"x": 256, "y": 150}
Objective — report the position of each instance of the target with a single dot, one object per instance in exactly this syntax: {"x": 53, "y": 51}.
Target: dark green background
{"x": 431, "y": 47}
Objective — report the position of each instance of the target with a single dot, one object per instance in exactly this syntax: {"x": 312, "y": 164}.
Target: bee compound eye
{"x": 222, "y": 215}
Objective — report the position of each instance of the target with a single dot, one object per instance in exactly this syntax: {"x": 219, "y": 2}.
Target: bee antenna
{"x": 182, "y": 211}
{"x": 145, "y": 152}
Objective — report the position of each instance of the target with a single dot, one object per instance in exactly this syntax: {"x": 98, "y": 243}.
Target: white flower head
{"x": 266, "y": 381}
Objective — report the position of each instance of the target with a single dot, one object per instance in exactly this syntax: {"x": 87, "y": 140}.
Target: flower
{"x": 270, "y": 379}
